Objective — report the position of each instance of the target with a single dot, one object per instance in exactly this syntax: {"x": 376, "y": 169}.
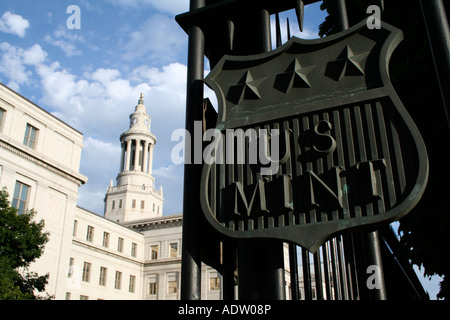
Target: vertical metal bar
{"x": 288, "y": 27}
{"x": 229, "y": 266}
{"x": 293, "y": 265}
{"x": 191, "y": 256}
{"x": 265, "y": 41}
{"x": 438, "y": 31}
{"x": 374, "y": 258}
{"x": 342, "y": 19}
{"x": 306, "y": 275}
{"x": 326, "y": 270}
{"x": 278, "y": 30}
{"x": 349, "y": 253}
{"x": 335, "y": 269}
{"x": 342, "y": 269}
{"x": 318, "y": 276}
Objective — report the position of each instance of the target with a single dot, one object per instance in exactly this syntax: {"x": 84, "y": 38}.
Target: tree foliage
{"x": 424, "y": 232}
{"x": 22, "y": 241}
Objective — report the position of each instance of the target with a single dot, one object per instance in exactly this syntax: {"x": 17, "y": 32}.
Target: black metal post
{"x": 293, "y": 266}
{"x": 191, "y": 255}
{"x": 342, "y": 19}
{"x": 260, "y": 263}
{"x": 371, "y": 240}
{"x": 438, "y": 31}
{"x": 374, "y": 259}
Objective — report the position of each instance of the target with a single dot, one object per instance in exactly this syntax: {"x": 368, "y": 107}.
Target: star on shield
{"x": 245, "y": 89}
{"x": 294, "y": 77}
{"x": 347, "y": 64}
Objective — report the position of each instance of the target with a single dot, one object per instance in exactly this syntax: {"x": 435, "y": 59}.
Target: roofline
{"x": 154, "y": 221}
{"x": 102, "y": 217}
{"x": 39, "y": 107}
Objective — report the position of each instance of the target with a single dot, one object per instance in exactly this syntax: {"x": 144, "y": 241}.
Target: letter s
{"x": 322, "y": 142}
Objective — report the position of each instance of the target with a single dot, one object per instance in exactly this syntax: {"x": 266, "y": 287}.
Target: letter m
{"x": 241, "y": 205}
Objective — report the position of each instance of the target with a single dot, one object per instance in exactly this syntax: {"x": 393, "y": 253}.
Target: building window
{"x": 142, "y": 204}
{"x": 30, "y": 137}
{"x": 153, "y": 288}
{"x": 173, "y": 250}
{"x": 102, "y": 278}
{"x": 120, "y": 245}
{"x": 113, "y": 204}
{"x": 118, "y": 280}
{"x": 75, "y": 227}
{"x": 154, "y": 252}
{"x": 153, "y": 207}
{"x": 120, "y": 204}
{"x": 133, "y": 249}
{"x": 70, "y": 270}
{"x": 157, "y": 210}
{"x": 214, "y": 281}
{"x": 106, "y": 239}
{"x": 133, "y": 204}
{"x": 86, "y": 272}
{"x": 2, "y": 117}
{"x": 20, "y": 199}
{"x": 90, "y": 234}
{"x": 84, "y": 297}
{"x": 67, "y": 295}
{"x": 132, "y": 285}
{"x": 172, "y": 284}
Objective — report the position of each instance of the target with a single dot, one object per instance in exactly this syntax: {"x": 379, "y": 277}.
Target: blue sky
{"x": 91, "y": 78}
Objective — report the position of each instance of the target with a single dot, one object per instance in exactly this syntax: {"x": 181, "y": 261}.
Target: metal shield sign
{"x": 311, "y": 140}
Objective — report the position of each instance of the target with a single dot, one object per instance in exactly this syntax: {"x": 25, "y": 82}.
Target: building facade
{"x": 133, "y": 252}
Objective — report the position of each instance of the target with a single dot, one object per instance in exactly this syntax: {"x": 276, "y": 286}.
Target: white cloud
{"x": 15, "y": 62}
{"x": 65, "y": 41}
{"x": 169, "y": 6}
{"x": 13, "y": 23}
{"x": 158, "y": 39}
{"x": 69, "y": 49}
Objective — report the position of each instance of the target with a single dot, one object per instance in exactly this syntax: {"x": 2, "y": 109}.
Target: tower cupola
{"x": 135, "y": 182}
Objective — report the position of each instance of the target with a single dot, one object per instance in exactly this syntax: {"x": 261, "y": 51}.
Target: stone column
{"x": 150, "y": 160}
{"x": 127, "y": 167}
{"x": 145, "y": 160}
{"x": 136, "y": 154}
{"x": 122, "y": 157}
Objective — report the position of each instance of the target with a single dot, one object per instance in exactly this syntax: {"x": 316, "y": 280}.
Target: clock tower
{"x": 135, "y": 197}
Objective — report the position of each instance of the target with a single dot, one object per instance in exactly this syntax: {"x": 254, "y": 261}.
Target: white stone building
{"x": 134, "y": 252}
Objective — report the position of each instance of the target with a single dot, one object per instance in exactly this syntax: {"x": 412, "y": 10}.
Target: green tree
{"x": 22, "y": 241}
{"x": 424, "y": 232}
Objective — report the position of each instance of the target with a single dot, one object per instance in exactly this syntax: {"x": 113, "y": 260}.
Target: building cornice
{"x": 106, "y": 252}
{"x": 40, "y": 160}
{"x": 156, "y": 223}
{"x": 162, "y": 262}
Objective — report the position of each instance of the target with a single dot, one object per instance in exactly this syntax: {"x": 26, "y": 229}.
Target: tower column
{"x": 122, "y": 157}
{"x": 127, "y": 167}
{"x": 145, "y": 161}
{"x": 136, "y": 154}
{"x": 150, "y": 160}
